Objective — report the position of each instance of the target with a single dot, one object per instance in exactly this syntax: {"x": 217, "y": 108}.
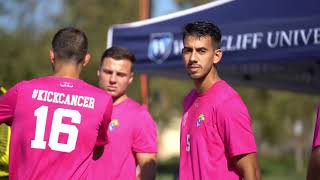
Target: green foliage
{"x": 193, "y": 2}
{"x": 274, "y": 112}
{"x": 22, "y": 57}
{"x": 95, "y": 17}
{"x": 166, "y": 95}
{"x": 24, "y": 51}
{"x": 280, "y": 168}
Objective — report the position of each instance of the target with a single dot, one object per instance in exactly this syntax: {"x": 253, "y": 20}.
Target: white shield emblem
{"x": 160, "y": 46}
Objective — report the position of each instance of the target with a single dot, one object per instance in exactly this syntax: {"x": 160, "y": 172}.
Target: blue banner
{"x": 271, "y": 44}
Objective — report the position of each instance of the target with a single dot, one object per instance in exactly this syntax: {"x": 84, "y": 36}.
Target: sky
{"x": 44, "y": 9}
{"x": 163, "y": 7}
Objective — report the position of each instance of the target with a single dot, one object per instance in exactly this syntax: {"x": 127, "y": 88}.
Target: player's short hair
{"x": 202, "y": 29}
{"x": 70, "y": 44}
{"x": 118, "y": 53}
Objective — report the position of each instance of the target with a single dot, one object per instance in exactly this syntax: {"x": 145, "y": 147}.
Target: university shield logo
{"x": 160, "y": 46}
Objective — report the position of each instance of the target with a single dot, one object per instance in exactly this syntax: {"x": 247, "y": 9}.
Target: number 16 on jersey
{"x": 57, "y": 127}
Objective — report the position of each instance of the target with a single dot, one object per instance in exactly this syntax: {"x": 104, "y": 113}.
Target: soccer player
{"x": 314, "y": 162}
{"x": 217, "y": 141}
{"x": 56, "y": 121}
{"x": 132, "y": 131}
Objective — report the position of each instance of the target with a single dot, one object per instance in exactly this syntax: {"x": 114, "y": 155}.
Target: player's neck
{"x": 203, "y": 85}
{"x": 120, "y": 99}
{"x": 67, "y": 71}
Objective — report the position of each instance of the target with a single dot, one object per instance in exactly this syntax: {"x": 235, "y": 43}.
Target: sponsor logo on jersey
{"x": 113, "y": 124}
{"x": 66, "y": 84}
{"x": 200, "y": 119}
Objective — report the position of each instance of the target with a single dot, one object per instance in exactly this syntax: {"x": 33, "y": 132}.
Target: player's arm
{"x": 7, "y": 105}
{"x": 102, "y": 138}
{"x": 314, "y": 165}
{"x": 145, "y": 146}
{"x": 235, "y": 130}
{"x": 147, "y": 164}
{"x": 247, "y": 165}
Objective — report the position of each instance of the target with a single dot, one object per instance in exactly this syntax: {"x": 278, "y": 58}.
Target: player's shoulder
{"x": 95, "y": 89}
{"x": 70, "y": 83}
{"x": 101, "y": 96}
{"x": 191, "y": 94}
{"x": 228, "y": 98}
{"x": 45, "y": 80}
{"x": 189, "y": 98}
{"x": 25, "y": 83}
{"x": 135, "y": 106}
{"x": 140, "y": 111}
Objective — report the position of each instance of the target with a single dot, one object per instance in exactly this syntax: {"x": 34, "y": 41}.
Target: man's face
{"x": 199, "y": 56}
{"x": 115, "y": 76}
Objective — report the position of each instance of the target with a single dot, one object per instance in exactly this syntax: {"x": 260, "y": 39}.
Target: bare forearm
{"x": 147, "y": 172}
{"x": 147, "y": 164}
{"x": 314, "y": 165}
{"x": 248, "y": 166}
{"x": 251, "y": 174}
{"x": 313, "y": 172}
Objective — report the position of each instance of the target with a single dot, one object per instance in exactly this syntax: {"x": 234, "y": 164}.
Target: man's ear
{"x": 98, "y": 72}
{"x": 217, "y": 56}
{"x": 86, "y": 59}
{"x": 51, "y": 56}
{"x": 131, "y": 77}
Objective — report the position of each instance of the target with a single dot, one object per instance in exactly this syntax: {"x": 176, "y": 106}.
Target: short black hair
{"x": 118, "y": 53}
{"x": 70, "y": 44}
{"x": 202, "y": 29}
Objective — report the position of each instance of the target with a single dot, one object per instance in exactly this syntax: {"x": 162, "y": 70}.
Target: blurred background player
{"x": 314, "y": 162}
{"x": 132, "y": 131}
{"x": 56, "y": 120}
{"x": 217, "y": 141}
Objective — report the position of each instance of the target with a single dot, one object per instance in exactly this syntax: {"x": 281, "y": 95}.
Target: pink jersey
{"x": 316, "y": 138}
{"x": 132, "y": 130}
{"x": 55, "y": 123}
{"x": 215, "y": 127}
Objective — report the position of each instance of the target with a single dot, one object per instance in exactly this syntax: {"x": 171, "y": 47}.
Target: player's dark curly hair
{"x": 202, "y": 29}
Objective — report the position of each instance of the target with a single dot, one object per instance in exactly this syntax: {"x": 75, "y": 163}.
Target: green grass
{"x": 164, "y": 177}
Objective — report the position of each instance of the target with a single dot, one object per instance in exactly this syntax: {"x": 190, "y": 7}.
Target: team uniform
{"x": 55, "y": 123}
{"x": 215, "y": 127}
{"x": 132, "y": 130}
{"x": 316, "y": 137}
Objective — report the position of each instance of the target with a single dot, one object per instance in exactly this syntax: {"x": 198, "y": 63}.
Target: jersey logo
{"x": 200, "y": 119}
{"x": 66, "y": 84}
{"x": 113, "y": 124}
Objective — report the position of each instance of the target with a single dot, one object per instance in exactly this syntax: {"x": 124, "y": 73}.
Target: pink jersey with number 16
{"x": 55, "y": 122}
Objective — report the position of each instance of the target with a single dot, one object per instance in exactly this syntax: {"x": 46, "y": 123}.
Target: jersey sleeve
{"x": 7, "y": 105}
{"x": 316, "y": 137}
{"x": 102, "y": 138}
{"x": 234, "y": 126}
{"x": 145, "y": 134}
